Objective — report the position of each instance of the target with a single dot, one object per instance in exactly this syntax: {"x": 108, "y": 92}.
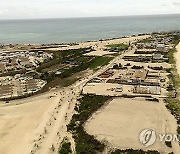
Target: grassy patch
{"x": 176, "y": 40}
{"x": 86, "y": 143}
{"x": 60, "y": 82}
{"x": 170, "y": 56}
{"x": 120, "y": 47}
{"x": 100, "y": 61}
{"x": 173, "y": 104}
{"x": 148, "y": 40}
{"x": 61, "y": 57}
{"x": 68, "y": 63}
{"x": 65, "y": 147}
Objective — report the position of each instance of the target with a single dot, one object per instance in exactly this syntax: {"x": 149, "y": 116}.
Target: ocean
{"x": 40, "y": 31}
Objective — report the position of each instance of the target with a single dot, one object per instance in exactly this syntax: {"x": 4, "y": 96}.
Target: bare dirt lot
{"x": 121, "y": 121}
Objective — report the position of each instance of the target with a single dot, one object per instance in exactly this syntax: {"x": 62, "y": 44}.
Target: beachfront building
{"x": 155, "y": 90}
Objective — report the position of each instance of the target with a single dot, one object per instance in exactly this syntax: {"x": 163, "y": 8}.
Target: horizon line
{"x": 88, "y": 17}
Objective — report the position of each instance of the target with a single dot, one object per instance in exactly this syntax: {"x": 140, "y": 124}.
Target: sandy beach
{"x": 99, "y": 45}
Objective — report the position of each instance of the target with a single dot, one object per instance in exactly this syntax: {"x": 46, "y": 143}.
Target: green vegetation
{"x": 119, "y": 47}
{"x": 86, "y": 143}
{"x": 69, "y": 63}
{"x": 174, "y": 106}
{"x": 100, "y": 61}
{"x": 173, "y": 103}
{"x": 176, "y": 40}
{"x": 138, "y": 59}
{"x": 63, "y": 57}
{"x": 118, "y": 66}
{"x": 148, "y": 40}
{"x": 168, "y": 144}
{"x": 170, "y": 56}
{"x": 65, "y": 147}
{"x": 178, "y": 130}
{"x": 57, "y": 81}
{"x": 131, "y": 151}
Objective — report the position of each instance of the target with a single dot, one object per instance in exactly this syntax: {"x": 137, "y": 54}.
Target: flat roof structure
{"x": 140, "y": 74}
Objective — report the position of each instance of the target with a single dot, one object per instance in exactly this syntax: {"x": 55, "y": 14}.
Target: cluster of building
{"x": 146, "y": 58}
{"x": 14, "y": 61}
{"x": 18, "y": 86}
{"x": 158, "y": 42}
{"x": 136, "y": 74}
{"x": 17, "y": 61}
{"x": 140, "y": 81}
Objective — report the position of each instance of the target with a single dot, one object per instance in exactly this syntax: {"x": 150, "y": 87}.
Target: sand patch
{"x": 177, "y": 57}
{"x": 20, "y": 124}
{"x": 122, "y": 120}
{"x": 99, "y": 53}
